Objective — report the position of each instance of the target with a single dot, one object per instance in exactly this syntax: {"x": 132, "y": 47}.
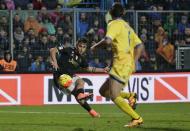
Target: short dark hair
{"x": 82, "y": 40}
{"x": 117, "y": 10}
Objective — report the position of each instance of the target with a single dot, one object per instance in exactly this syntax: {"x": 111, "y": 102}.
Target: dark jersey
{"x": 70, "y": 61}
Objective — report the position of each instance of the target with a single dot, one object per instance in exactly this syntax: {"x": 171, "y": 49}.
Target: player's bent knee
{"x": 112, "y": 97}
{"x": 80, "y": 83}
{"x": 102, "y": 93}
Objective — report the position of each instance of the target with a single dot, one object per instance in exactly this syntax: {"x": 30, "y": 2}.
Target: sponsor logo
{"x": 149, "y": 89}
{"x": 52, "y": 95}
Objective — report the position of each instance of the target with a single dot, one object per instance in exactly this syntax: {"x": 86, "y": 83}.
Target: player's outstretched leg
{"x": 77, "y": 89}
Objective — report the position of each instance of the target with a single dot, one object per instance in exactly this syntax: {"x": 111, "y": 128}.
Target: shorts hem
{"x": 117, "y": 79}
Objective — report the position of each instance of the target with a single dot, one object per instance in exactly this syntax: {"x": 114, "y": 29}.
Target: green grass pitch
{"x": 157, "y": 117}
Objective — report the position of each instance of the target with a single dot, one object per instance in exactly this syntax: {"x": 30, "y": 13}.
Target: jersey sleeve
{"x": 60, "y": 47}
{"x": 63, "y": 50}
{"x": 136, "y": 39}
{"x": 113, "y": 30}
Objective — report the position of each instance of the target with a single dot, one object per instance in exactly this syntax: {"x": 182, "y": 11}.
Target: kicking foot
{"x": 132, "y": 100}
{"x": 135, "y": 123}
{"x": 94, "y": 114}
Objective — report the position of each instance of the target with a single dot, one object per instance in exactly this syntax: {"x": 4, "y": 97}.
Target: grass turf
{"x": 157, "y": 117}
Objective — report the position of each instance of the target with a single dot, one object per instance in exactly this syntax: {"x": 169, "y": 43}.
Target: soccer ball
{"x": 65, "y": 80}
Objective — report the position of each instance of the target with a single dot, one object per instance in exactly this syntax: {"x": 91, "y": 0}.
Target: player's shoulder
{"x": 118, "y": 23}
{"x": 70, "y": 48}
{"x": 114, "y": 22}
{"x": 63, "y": 47}
{"x": 59, "y": 46}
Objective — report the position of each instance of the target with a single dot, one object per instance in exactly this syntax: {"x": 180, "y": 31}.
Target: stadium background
{"x": 28, "y": 28}
{"x": 32, "y": 28}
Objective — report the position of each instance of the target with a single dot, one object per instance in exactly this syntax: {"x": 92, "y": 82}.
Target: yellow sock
{"x": 124, "y": 106}
{"x": 125, "y": 95}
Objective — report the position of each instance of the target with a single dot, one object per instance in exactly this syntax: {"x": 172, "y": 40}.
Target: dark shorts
{"x": 56, "y": 75}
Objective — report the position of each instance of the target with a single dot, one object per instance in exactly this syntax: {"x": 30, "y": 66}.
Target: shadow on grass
{"x": 37, "y": 124}
{"x": 161, "y": 129}
{"x": 78, "y": 129}
{"x": 81, "y": 129}
{"x": 166, "y": 121}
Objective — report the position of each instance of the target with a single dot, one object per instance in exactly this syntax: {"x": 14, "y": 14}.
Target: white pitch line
{"x": 35, "y": 112}
{"x": 71, "y": 113}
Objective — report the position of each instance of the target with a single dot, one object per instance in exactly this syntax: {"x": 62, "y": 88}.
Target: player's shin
{"x": 84, "y": 104}
{"x": 125, "y": 95}
{"x": 87, "y": 107}
{"x": 131, "y": 97}
{"x": 125, "y": 107}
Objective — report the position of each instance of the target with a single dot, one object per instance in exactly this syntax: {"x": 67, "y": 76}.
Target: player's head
{"x": 117, "y": 10}
{"x": 81, "y": 45}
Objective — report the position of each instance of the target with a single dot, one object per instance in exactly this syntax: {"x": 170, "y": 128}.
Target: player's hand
{"x": 106, "y": 69}
{"x": 55, "y": 65}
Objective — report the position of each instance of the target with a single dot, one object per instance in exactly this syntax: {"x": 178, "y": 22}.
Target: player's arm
{"x": 112, "y": 32}
{"x": 104, "y": 42}
{"x": 53, "y": 52}
{"x": 138, "y": 51}
{"x": 138, "y": 47}
{"x": 84, "y": 65}
{"x": 94, "y": 69}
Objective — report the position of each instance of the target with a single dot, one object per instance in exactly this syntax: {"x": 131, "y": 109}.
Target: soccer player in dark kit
{"x": 68, "y": 62}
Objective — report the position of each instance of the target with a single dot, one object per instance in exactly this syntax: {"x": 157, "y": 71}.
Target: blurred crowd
{"x": 36, "y": 31}
{"x": 39, "y": 25}
{"x": 161, "y": 34}
{"x": 149, "y": 4}
{"x": 103, "y": 4}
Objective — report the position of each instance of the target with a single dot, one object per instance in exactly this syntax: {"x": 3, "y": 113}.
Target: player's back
{"x": 120, "y": 32}
{"x": 124, "y": 41}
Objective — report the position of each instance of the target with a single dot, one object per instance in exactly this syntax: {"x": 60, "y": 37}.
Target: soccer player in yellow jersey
{"x": 126, "y": 48}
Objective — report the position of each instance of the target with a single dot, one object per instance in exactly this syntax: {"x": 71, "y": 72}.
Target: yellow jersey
{"x": 124, "y": 40}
